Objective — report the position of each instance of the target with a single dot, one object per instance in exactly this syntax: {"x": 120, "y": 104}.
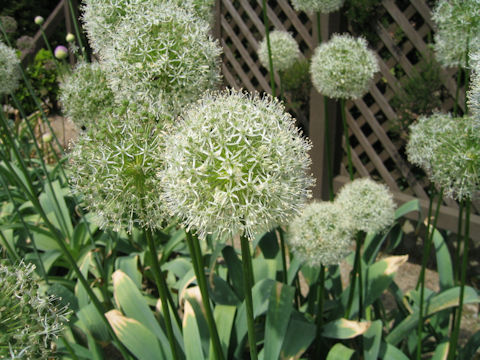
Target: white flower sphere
{"x": 236, "y": 165}
{"x": 343, "y": 67}
{"x": 162, "y": 56}
{"x": 285, "y": 50}
{"x": 456, "y": 160}
{"x": 320, "y": 235}
{"x": 85, "y": 95}
{"x": 102, "y": 18}
{"x": 9, "y": 69}
{"x": 367, "y": 205}
{"x": 458, "y": 30}
{"x": 423, "y": 140}
{"x": 115, "y": 172}
{"x": 323, "y": 6}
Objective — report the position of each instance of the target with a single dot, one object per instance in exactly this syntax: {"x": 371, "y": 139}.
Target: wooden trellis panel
{"x": 376, "y": 152}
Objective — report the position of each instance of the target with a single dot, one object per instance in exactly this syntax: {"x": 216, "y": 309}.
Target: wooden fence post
{"x": 330, "y": 24}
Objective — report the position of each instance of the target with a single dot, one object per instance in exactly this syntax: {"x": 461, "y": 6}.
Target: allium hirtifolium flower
{"x": 85, "y": 95}
{"x": 29, "y": 320}
{"x": 9, "y": 69}
{"x": 163, "y": 56}
{"x": 455, "y": 160}
{"x": 284, "y": 49}
{"x": 343, "y": 67}
{"x": 102, "y": 17}
{"x": 320, "y": 235}
{"x": 458, "y": 30}
{"x": 323, "y": 6}
{"x": 423, "y": 141}
{"x": 367, "y": 205}
{"x": 236, "y": 165}
{"x": 115, "y": 171}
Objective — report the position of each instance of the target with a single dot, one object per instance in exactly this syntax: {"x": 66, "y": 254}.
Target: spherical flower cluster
{"x": 423, "y": 141}
{"x": 320, "y": 235}
{"x": 343, "y": 67}
{"x": 284, "y": 49}
{"x": 61, "y": 52}
{"x": 115, "y": 172}
{"x": 8, "y": 23}
{"x": 162, "y": 56}
{"x": 25, "y": 44}
{"x": 29, "y": 321}
{"x": 456, "y": 162}
{"x": 367, "y": 205}
{"x": 458, "y": 30}
{"x": 323, "y": 6}
{"x": 102, "y": 17}
{"x": 236, "y": 165}
{"x": 85, "y": 95}
{"x": 9, "y": 69}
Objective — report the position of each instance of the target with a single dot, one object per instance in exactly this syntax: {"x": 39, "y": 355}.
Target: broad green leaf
{"x": 412, "y": 205}
{"x": 129, "y": 265}
{"x": 131, "y": 301}
{"x": 178, "y": 266}
{"x": 135, "y": 336}
{"x": 65, "y": 295}
{"x": 294, "y": 345}
{"x": 53, "y": 203}
{"x": 441, "y": 351}
{"x": 80, "y": 291}
{"x": 235, "y": 271}
{"x": 390, "y": 352}
{"x": 49, "y": 258}
{"x": 191, "y": 335}
{"x": 340, "y": 352}
{"x": 94, "y": 347}
{"x": 268, "y": 244}
{"x": 293, "y": 270}
{"x": 224, "y": 316}
{"x": 371, "y": 340}
{"x": 280, "y": 307}
{"x": 91, "y": 321}
{"x": 264, "y": 268}
{"x": 345, "y": 329}
{"x": 444, "y": 261}
{"x": 175, "y": 240}
{"x": 221, "y": 293}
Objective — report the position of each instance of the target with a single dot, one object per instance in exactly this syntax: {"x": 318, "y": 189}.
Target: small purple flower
{"x": 61, "y": 52}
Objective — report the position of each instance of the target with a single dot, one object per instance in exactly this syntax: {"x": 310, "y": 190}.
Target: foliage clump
{"x": 9, "y": 69}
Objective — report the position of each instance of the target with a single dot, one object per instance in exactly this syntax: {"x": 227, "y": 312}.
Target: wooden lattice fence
{"x": 403, "y": 35}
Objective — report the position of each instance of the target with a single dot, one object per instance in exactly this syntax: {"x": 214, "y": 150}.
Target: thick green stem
{"x": 328, "y": 147}
{"x": 283, "y": 250}
{"x": 457, "y": 91}
{"x": 459, "y": 240}
{"x": 267, "y": 37}
{"x": 247, "y": 285}
{"x": 319, "y": 317}
{"x": 458, "y": 315}
{"x": 198, "y": 267}
{"x": 162, "y": 291}
{"x": 426, "y": 255}
{"x": 355, "y": 272}
{"x": 347, "y": 138}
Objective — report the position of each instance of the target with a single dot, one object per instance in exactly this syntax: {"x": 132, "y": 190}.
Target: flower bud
{"x": 61, "y": 52}
{"x": 47, "y": 137}
{"x": 70, "y": 37}
{"x": 39, "y": 20}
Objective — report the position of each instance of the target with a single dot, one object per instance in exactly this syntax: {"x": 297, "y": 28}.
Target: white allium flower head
{"x": 284, "y": 49}
{"x": 102, "y": 18}
{"x": 456, "y": 160}
{"x": 115, "y": 172}
{"x": 343, "y": 67}
{"x": 423, "y": 140}
{"x": 9, "y": 69}
{"x": 312, "y": 6}
{"x": 236, "y": 165}
{"x": 367, "y": 205}
{"x": 458, "y": 30}
{"x": 162, "y": 55}
{"x": 85, "y": 95}
{"x": 320, "y": 235}
{"x": 30, "y": 321}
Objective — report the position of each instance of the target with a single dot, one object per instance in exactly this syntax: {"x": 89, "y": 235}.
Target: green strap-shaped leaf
{"x": 372, "y": 340}
{"x": 280, "y": 307}
{"x": 191, "y": 334}
{"x": 91, "y": 322}
{"x": 224, "y": 316}
{"x": 128, "y": 264}
{"x": 294, "y": 345}
{"x": 470, "y": 349}
{"x": 340, "y": 352}
{"x": 345, "y": 329}
{"x": 135, "y": 336}
{"x": 133, "y": 305}
{"x": 235, "y": 271}
{"x": 444, "y": 261}
{"x": 441, "y": 351}
{"x": 412, "y": 205}
{"x": 390, "y": 352}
